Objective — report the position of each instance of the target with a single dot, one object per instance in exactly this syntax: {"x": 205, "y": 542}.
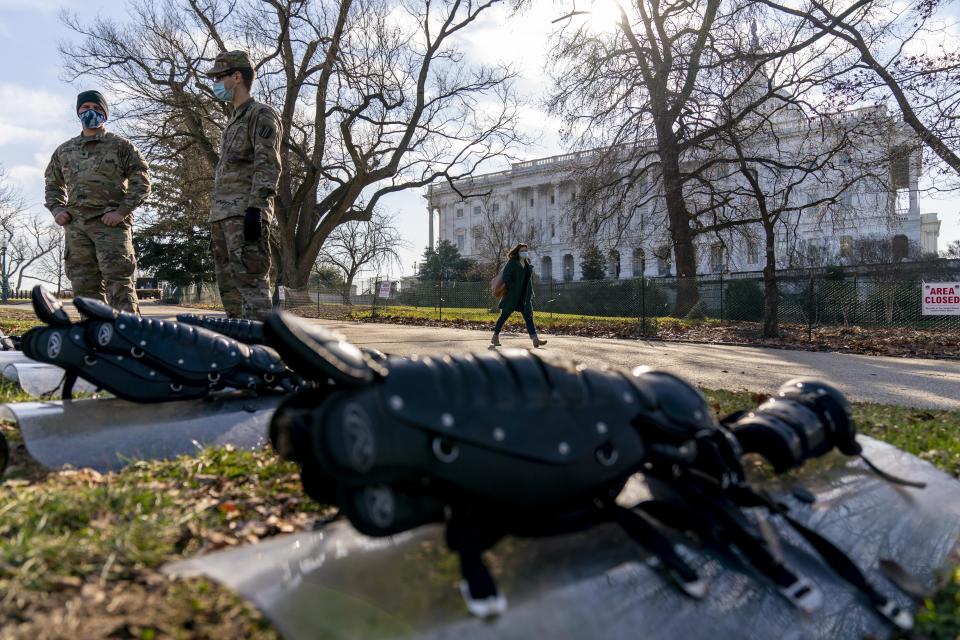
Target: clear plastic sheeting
{"x": 41, "y": 380}
{"x": 336, "y": 583}
{"x": 9, "y": 357}
{"x": 107, "y": 434}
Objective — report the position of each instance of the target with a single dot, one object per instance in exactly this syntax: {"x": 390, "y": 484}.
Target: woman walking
{"x": 519, "y": 293}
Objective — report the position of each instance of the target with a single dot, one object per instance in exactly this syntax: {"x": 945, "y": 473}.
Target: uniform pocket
{"x": 252, "y": 257}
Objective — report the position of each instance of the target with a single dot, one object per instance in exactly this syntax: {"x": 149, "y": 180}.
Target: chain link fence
{"x": 888, "y": 296}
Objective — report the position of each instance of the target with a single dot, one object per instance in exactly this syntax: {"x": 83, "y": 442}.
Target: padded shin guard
{"x": 148, "y": 360}
{"x": 246, "y": 331}
{"x": 514, "y": 443}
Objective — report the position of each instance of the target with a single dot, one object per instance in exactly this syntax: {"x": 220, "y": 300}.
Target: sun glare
{"x": 604, "y": 15}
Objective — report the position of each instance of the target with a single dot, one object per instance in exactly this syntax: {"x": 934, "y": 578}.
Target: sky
{"x": 39, "y": 101}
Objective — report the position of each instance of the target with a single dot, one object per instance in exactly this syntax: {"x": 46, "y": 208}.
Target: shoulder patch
{"x": 266, "y": 131}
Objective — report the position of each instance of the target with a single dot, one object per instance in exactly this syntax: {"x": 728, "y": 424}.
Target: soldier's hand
{"x": 61, "y": 216}
{"x": 251, "y": 224}
{"x": 112, "y": 218}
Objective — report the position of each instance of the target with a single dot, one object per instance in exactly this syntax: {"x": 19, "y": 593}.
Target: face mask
{"x": 92, "y": 119}
{"x": 524, "y": 254}
{"x": 222, "y": 93}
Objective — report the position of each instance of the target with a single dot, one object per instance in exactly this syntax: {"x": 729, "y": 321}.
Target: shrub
{"x": 743, "y": 300}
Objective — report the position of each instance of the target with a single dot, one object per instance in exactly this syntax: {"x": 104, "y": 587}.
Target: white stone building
{"x": 541, "y": 192}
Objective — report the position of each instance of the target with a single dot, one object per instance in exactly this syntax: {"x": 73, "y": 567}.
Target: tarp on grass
{"x": 338, "y": 584}
{"x": 106, "y": 434}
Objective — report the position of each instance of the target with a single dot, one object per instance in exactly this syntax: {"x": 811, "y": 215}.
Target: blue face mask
{"x": 91, "y": 119}
{"x": 222, "y": 92}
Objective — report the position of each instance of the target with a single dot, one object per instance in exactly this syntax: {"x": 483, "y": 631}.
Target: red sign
{"x": 941, "y": 298}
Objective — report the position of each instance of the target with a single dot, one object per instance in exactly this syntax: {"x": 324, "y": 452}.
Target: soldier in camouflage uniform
{"x": 93, "y": 184}
{"x": 244, "y": 188}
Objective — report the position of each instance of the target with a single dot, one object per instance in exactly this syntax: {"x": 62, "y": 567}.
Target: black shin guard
{"x": 400, "y": 442}
{"x": 148, "y": 360}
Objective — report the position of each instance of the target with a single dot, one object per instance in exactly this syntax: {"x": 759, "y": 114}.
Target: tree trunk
{"x": 681, "y": 235}
{"x": 771, "y": 326}
{"x": 347, "y": 288}
{"x": 771, "y": 323}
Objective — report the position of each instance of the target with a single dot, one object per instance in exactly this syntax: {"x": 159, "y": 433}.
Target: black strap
{"x": 463, "y": 538}
{"x": 750, "y": 543}
{"x": 69, "y": 380}
{"x": 646, "y": 534}
{"x": 839, "y": 561}
{"x": 889, "y": 477}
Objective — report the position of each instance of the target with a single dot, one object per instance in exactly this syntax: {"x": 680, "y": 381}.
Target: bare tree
{"x": 49, "y": 267}
{"x": 374, "y": 96}
{"x": 634, "y": 95}
{"x": 952, "y": 251}
{"x": 807, "y": 173}
{"x": 502, "y": 226}
{"x": 355, "y": 245}
{"x": 891, "y": 63}
{"x": 32, "y": 238}
{"x": 688, "y": 119}
{"x": 12, "y": 206}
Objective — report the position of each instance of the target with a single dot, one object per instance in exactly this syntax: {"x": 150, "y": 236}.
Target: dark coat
{"x": 517, "y": 277}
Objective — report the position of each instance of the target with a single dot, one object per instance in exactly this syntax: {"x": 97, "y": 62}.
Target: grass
{"x": 477, "y": 314}
{"x": 80, "y": 551}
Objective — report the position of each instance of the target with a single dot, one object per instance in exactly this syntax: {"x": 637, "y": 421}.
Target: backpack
{"x": 497, "y": 286}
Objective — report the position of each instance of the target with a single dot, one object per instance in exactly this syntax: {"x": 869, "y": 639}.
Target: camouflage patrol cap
{"x": 229, "y": 60}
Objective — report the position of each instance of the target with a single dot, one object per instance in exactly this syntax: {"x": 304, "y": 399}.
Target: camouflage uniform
{"x": 90, "y": 176}
{"x": 246, "y": 176}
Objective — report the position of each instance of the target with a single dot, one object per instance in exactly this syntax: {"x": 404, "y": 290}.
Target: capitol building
{"x": 539, "y": 196}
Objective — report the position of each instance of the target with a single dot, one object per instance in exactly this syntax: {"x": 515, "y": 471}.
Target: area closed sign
{"x": 941, "y": 298}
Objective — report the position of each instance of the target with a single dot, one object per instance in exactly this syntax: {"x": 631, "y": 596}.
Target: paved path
{"x": 904, "y": 381}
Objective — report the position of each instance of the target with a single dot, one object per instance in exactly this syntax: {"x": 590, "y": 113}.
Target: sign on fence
{"x": 941, "y": 298}
{"x": 384, "y": 291}
{"x": 282, "y": 293}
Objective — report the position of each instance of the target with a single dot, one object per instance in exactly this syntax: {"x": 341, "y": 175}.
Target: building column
{"x": 914, "y": 184}
{"x": 430, "y": 213}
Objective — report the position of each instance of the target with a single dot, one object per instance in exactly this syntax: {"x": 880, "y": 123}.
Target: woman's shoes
{"x": 495, "y": 341}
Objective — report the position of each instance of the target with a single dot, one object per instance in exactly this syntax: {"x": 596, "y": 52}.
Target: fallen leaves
{"x": 77, "y": 543}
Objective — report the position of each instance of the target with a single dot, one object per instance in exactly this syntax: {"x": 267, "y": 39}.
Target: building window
{"x": 613, "y": 264}
{"x": 531, "y": 202}
{"x": 753, "y": 252}
{"x": 496, "y": 207}
{"x": 663, "y": 261}
{"x": 716, "y": 258}
{"x": 553, "y": 199}
{"x": 846, "y": 246}
{"x": 639, "y": 263}
{"x": 546, "y": 268}
{"x": 845, "y": 159}
{"x": 476, "y": 211}
{"x": 461, "y": 241}
{"x": 460, "y": 212}
{"x": 553, "y": 229}
{"x": 567, "y": 268}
